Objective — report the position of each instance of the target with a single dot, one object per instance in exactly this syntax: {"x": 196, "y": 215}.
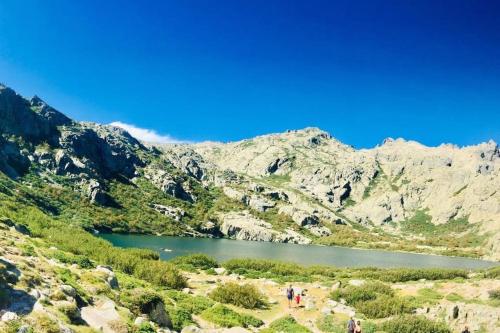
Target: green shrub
{"x": 374, "y": 299}
{"x": 180, "y": 317}
{"x": 68, "y": 258}
{"x": 408, "y": 274}
{"x": 71, "y": 311}
{"x": 281, "y": 271}
{"x": 145, "y": 328}
{"x": 27, "y": 250}
{"x": 494, "y": 294}
{"x": 140, "y": 300}
{"x": 191, "y": 262}
{"x": 190, "y": 303}
{"x": 414, "y": 324}
{"x": 225, "y": 317}
{"x": 492, "y": 273}
{"x": 245, "y": 295}
{"x": 285, "y": 324}
{"x": 366, "y": 292}
{"x": 384, "y": 306}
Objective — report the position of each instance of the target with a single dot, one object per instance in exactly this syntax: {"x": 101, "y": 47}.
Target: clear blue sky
{"x": 226, "y": 70}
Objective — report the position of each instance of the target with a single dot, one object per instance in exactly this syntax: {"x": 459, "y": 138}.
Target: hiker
{"x": 297, "y": 299}
{"x": 289, "y": 295}
{"x": 351, "y": 325}
{"x": 358, "y": 327}
{"x": 466, "y": 330}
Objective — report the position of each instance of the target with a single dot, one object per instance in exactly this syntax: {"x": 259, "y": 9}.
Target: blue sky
{"x": 227, "y": 70}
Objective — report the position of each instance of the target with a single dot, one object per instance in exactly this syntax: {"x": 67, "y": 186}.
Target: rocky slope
{"x": 318, "y": 181}
{"x": 300, "y": 186}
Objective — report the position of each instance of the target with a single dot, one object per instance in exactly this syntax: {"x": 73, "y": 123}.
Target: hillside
{"x": 300, "y": 186}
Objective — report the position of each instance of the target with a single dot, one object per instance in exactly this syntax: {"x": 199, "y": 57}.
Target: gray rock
{"x": 68, "y": 290}
{"x": 9, "y": 316}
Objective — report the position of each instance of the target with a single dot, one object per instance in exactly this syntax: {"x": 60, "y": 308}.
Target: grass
{"x": 285, "y": 324}
{"x": 277, "y": 180}
{"x": 428, "y": 296}
{"x": 225, "y": 317}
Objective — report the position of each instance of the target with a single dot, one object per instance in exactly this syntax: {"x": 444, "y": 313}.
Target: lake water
{"x": 224, "y": 249}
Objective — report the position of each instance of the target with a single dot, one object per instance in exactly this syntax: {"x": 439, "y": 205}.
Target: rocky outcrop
{"x": 33, "y": 120}
{"x": 173, "y": 212}
{"x": 12, "y": 161}
{"x": 244, "y": 226}
{"x": 166, "y": 182}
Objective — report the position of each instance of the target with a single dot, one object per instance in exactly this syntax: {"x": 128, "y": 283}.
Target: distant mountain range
{"x": 300, "y": 186}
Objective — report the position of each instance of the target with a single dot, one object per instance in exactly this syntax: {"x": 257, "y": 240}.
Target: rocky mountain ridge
{"x": 300, "y": 186}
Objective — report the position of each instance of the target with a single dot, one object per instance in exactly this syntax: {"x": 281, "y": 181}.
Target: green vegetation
{"x": 428, "y": 296}
{"x": 494, "y": 294}
{"x": 454, "y": 297}
{"x": 277, "y": 180}
{"x": 225, "y": 317}
{"x": 182, "y": 306}
{"x": 71, "y": 238}
{"x": 465, "y": 235}
{"x": 373, "y": 299}
{"x": 413, "y": 324}
{"x": 379, "y": 175}
{"x": 141, "y": 300}
{"x": 492, "y": 273}
{"x": 334, "y": 324}
{"x": 285, "y": 324}
{"x": 192, "y": 262}
{"x": 291, "y": 272}
{"x": 411, "y": 274}
{"x": 245, "y": 295}
{"x": 280, "y": 271}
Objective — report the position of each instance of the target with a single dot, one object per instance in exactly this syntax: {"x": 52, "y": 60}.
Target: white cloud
{"x": 145, "y": 134}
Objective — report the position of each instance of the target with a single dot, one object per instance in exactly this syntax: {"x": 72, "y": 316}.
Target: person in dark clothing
{"x": 466, "y": 330}
{"x": 289, "y": 295}
{"x": 351, "y": 325}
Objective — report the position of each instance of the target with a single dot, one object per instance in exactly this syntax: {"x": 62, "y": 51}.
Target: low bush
{"x": 68, "y": 258}
{"x": 285, "y": 324}
{"x": 41, "y": 322}
{"x": 366, "y": 292}
{"x": 195, "y": 261}
{"x": 140, "y": 300}
{"x": 408, "y": 274}
{"x": 494, "y": 294}
{"x": 180, "y": 317}
{"x": 225, "y": 317}
{"x": 245, "y": 295}
{"x": 280, "y": 271}
{"x": 190, "y": 303}
{"x": 492, "y": 273}
{"x": 374, "y": 299}
{"x": 413, "y": 324}
{"x": 384, "y": 306}
{"x": 71, "y": 311}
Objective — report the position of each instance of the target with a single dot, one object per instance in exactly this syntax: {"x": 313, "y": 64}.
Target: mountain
{"x": 301, "y": 186}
